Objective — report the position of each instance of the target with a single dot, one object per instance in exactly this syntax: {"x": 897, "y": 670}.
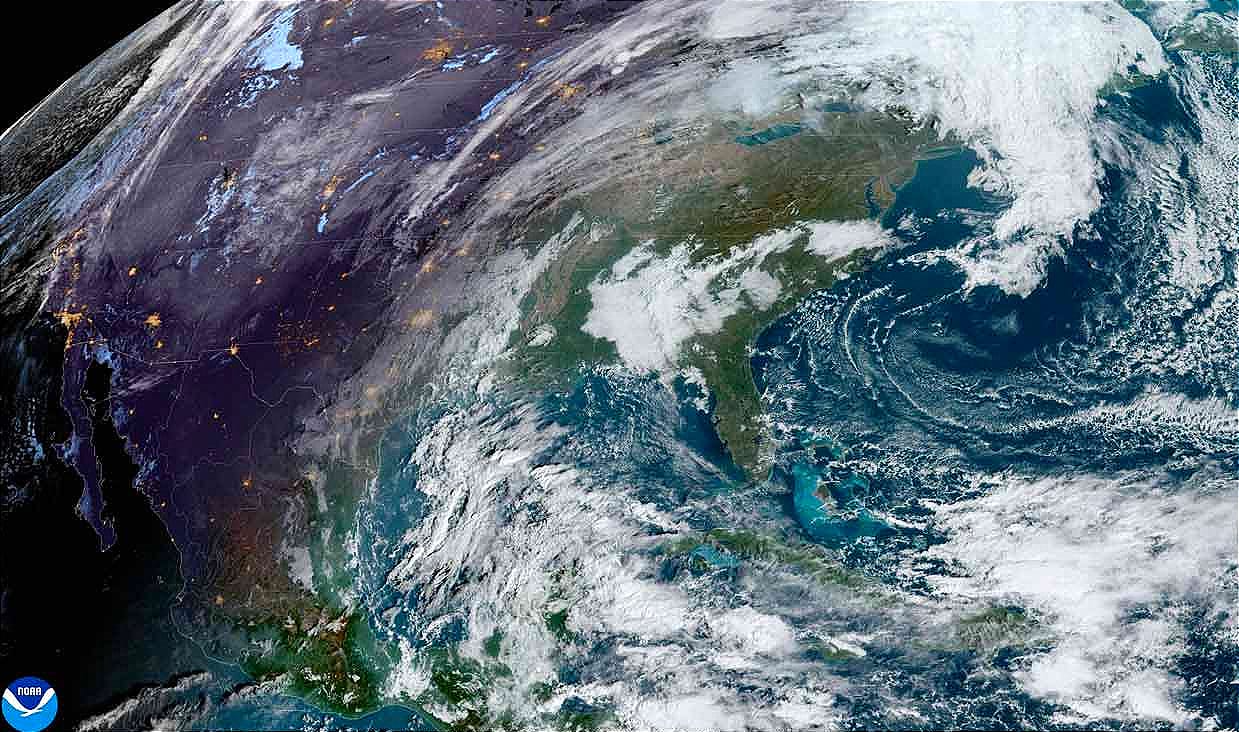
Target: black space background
{"x": 47, "y": 41}
{"x": 58, "y": 624}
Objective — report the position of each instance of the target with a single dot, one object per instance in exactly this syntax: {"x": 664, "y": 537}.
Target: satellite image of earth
{"x": 615, "y": 365}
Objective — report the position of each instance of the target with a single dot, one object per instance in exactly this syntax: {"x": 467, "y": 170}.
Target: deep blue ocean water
{"x": 889, "y": 390}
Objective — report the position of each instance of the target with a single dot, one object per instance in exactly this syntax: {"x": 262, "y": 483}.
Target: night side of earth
{"x": 628, "y": 365}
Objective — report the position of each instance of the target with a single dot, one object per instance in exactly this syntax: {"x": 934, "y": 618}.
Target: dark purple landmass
{"x": 152, "y": 399}
{"x": 252, "y": 333}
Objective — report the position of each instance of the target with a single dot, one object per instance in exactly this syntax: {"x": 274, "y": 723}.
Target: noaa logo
{"x": 29, "y": 704}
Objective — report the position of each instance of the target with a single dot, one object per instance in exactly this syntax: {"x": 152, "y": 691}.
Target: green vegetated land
{"x": 717, "y": 189}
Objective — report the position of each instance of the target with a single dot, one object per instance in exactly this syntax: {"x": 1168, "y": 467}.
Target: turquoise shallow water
{"x": 889, "y": 394}
{"x": 956, "y": 473}
{"x": 844, "y": 519}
